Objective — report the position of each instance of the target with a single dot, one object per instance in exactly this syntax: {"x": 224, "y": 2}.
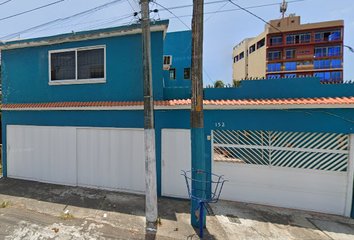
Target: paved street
{"x": 36, "y": 208}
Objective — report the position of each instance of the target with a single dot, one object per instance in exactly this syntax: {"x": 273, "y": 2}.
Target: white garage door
{"x": 92, "y": 157}
{"x": 46, "y": 154}
{"x": 308, "y": 171}
{"x": 111, "y": 159}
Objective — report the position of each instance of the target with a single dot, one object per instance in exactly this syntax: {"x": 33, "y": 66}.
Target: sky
{"x": 224, "y": 24}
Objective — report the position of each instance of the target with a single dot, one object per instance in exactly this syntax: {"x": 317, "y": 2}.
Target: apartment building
{"x": 288, "y": 49}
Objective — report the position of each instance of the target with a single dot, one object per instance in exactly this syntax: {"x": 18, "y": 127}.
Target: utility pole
{"x": 197, "y": 116}
{"x": 149, "y": 125}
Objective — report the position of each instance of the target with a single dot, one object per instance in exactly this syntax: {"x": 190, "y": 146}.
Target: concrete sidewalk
{"x": 36, "y": 208}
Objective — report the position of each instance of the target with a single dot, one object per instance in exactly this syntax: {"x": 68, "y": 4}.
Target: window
{"x": 293, "y": 75}
{"x": 328, "y": 51}
{"x": 298, "y": 38}
{"x": 187, "y": 73}
{"x": 274, "y": 55}
{"x": 167, "y": 60}
{"x": 276, "y": 40}
{"x": 290, "y": 53}
{"x": 252, "y": 48}
{"x": 236, "y": 59}
{"x": 274, "y": 67}
{"x": 273, "y": 76}
{"x": 331, "y": 35}
{"x": 242, "y": 55}
{"x": 260, "y": 43}
{"x": 290, "y": 66}
{"x": 329, "y": 76}
{"x": 325, "y": 64}
{"x": 172, "y": 74}
{"x": 77, "y": 65}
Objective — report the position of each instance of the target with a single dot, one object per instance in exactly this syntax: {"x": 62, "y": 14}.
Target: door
{"x": 176, "y": 156}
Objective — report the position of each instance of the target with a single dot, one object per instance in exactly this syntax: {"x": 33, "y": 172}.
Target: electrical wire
{"x": 254, "y": 15}
{"x": 62, "y": 20}
{"x": 31, "y": 10}
{"x": 5, "y": 2}
{"x": 216, "y": 12}
{"x": 173, "y": 15}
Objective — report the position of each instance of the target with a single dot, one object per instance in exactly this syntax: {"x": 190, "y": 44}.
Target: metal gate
{"x": 290, "y": 169}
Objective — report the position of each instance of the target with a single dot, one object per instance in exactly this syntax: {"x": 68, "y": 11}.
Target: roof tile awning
{"x": 336, "y": 102}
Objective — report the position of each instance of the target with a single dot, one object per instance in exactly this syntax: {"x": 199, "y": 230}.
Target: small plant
{"x": 5, "y": 204}
{"x": 158, "y": 221}
{"x": 0, "y": 169}
{"x": 66, "y": 216}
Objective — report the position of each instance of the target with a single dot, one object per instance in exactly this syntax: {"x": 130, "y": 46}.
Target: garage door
{"x": 308, "y": 171}
{"x": 92, "y": 157}
{"x": 111, "y": 159}
{"x": 46, "y": 154}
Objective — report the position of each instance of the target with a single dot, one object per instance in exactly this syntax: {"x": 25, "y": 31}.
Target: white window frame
{"x": 76, "y": 80}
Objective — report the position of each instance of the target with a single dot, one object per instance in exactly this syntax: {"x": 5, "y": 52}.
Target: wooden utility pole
{"x": 149, "y": 125}
{"x": 197, "y": 116}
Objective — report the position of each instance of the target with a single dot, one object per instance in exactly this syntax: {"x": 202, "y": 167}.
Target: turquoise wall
{"x": 179, "y": 45}
{"x": 281, "y": 88}
{"x": 25, "y": 73}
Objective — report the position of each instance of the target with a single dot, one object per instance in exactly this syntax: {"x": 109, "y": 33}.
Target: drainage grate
{"x": 233, "y": 218}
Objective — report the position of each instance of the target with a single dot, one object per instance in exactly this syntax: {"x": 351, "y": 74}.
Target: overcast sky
{"x": 222, "y": 30}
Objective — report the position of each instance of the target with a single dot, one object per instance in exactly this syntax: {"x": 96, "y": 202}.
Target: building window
{"x": 172, "y": 74}
{"x": 290, "y": 53}
{"x": 329, "y": 76}
{"x": 276, "y": 40}
{"x": 328, "y": 51}
{"x": 261, "y": 43}
{"x": 274, "y": 67}
{"x": 326, "y": 64}
{"x": 331, "y": 35}
{"x": 242, "y": 55}
{"x": 292, "y": 75}
{"x": 290, "y": 66}
{"x": 167, "y": 60}
{"x": 273, "y": 76}
{"x": 274, "y": 55}
{"x": 77, "y": 65}
{"x": 252, "y": 48}
{"x": 298, "y": 38}
{"x": 187, "y": 73}
{"x": 236, "y": 59}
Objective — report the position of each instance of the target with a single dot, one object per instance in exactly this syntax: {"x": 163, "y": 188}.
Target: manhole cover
{"x": 233, "y": 218}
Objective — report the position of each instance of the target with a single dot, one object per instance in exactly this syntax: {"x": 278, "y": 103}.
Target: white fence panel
{"x": 46, "y": 154}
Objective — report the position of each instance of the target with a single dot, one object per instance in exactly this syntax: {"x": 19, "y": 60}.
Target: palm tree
{"x": 219, "y": 84}
{"x": 236, "y": 83}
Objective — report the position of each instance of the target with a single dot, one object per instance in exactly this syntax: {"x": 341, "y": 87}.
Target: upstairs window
{"x": 274, "y": 67}
{"x": 331, "y": 35}
{"x": 328, "y": 51}
{"x": 274, "y": 55}
{"x": 242, "y": 55}
{"x": 298, "y": 38}
{"x": 187, "y": 73}
{"x": 260, "y": 43}
{"x": 275, "y": 40}
{"x": 290, "y": 53}
{"x": 290, "y": 66}
{"x": 252, "y": 48}
{"x": 172, "y": 74}
{"x": 79, "y": 65}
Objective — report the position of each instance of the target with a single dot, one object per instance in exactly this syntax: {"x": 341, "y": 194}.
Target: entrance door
{"x": 176, "y": 156}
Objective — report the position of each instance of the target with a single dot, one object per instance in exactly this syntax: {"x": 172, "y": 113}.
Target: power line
{"x": 216, "y": 11}
{"x": 254, "y": 15}
{"x": 31, "y": 10}
{"x": 5, "y": 2}
{"x": 173, "y": 15}
{"x": 62, "y": 20}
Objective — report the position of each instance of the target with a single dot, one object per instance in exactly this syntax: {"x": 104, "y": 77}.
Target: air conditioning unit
{"x": 167, "y": 62}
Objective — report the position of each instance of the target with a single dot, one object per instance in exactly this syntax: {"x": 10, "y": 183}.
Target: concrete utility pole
{"x": 197, "y": 117}
{"x": 149, "y": 125}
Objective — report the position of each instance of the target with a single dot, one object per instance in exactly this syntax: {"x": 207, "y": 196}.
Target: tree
{"x": 236, "y": 83}
{"x": 219, "y": 84}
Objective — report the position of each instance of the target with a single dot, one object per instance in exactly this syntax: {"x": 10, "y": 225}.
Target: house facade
{"x": 280, "y": 142}
{"x": 292, "y": 50}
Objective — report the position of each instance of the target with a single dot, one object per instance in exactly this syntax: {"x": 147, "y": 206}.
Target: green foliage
{"x": 66, "y": 216}
{"x": 5, "y": 204}
{"x": 236, "y": 83}
{"x": 219, "y": 84}
{"x": 0, "y": 169}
